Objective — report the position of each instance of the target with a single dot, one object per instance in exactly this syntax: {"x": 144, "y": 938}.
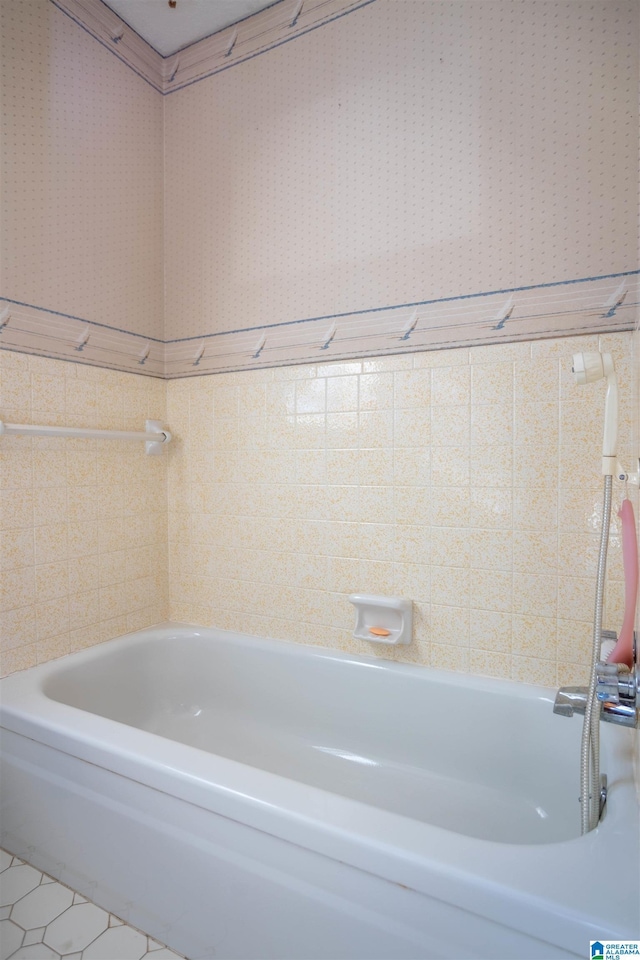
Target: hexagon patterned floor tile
{"x": 41, "y": 919}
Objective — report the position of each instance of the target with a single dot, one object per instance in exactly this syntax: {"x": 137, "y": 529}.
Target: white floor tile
{"x": 16, "y": 882}
{"x": 62, "y": 925}
{"x": 164, "y": 954}
{"x": 76, "y": 928}
{"x": 36, "y": 952}
{"x": 10, "y": 938}
{"x": 35, "y": 935}
{"x": 121, "y": 942}
{"x": 42, "y": 905}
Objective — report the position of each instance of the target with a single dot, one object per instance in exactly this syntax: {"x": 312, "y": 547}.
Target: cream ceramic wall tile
{"x": 536, "y": 380}
{"x": 448, "y": 657}
{"x": 536, "y": 551}
{"x": 571, "y": 674}
{"x": 533, "y": 670}
{"x": 16, "y": 548}
{"x": 491, "y": 549}
{"x": 492, "y": 423}
{"x": 376, "y": 389}
{"x": 536, "y": 430}
{"x": 450, "y": 625}
{"x": 490, "y": 507}
{"x": 449, "y": 465}
{"x": 16, "y": 508}
{"x": 451, "y": 386}
{"x": 491, "y": 383}
{"x": 563, "y": 347}
{"x": 279, "y": 544}
{"x": 412, "y": 544}
{"x": 491, "y": 590}
{"x": 451, "y": 547}
{"x": 412, "y": 388}
{"x": 386, "y": 364}
{"x": 575, "y": 597}
{"x": 491, "y": 631}
{"x": 52, "y": 618}
{"x": 504, "y": 548}
{"x": 450, "y": 424}
{"x": 52, "y": 580}
{"x": 18, "y": 627}
{"x": 71, "y": 508}
{"x": 535, "y": 594}
{"x": 535, "y": 636}
{"x": 574, "y": 642}
{"x": 486, "y": 664}
{"x": 17, "y": 588}
{"x": 534, "y": 509}
{"x": 499, "y": 353}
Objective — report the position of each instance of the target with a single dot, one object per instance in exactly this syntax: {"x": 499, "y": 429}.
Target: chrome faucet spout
{"x": 570, "y": 700}
{"x": 618, "y": 690}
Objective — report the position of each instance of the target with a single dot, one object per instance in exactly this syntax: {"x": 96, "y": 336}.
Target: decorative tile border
{"x": 283, "y": 21}
{"x": 29, "y": 329}
{"x": 591, "y": 305}
{"x": 588, "y": 305}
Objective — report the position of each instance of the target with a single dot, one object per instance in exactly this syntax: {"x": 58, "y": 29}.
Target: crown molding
{"x": 263, "y": 31}
{"x": 118, "y": 37}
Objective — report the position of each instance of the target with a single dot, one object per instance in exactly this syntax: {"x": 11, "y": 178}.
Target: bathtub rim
{"x": 498, "y": 881}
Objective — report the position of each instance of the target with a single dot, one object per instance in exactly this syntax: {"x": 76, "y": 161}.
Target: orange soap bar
{"x": 379, "y": 631}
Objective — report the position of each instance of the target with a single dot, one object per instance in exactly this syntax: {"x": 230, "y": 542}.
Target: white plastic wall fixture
{"x": 592, "y": 366}
{"x": 154, "y": 429}
{"x": 382, "y": 619}
{"x": 155, "y": 447}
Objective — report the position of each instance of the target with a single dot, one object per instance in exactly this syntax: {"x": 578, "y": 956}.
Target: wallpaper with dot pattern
{"x": 81, "y": 174}
{"x": 410, "y": 150}
{"x": 401, "y": 153}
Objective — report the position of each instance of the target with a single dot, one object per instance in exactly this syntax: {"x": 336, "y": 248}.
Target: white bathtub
{"x": 243, "y": 798}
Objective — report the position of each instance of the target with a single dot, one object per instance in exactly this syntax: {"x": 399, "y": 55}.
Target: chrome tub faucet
{"x": 617, "y": 689}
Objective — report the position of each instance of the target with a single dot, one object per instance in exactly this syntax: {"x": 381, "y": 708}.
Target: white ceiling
{"x": 169, "y": 29}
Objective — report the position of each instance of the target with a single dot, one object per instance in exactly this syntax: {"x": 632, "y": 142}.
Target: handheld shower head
{"x": 589, "y": 367}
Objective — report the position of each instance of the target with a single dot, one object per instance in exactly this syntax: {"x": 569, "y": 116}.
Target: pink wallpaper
{"x": 375, "y": 177}
{"x": 82, "y": 178}
{"x": 408, "y": 152}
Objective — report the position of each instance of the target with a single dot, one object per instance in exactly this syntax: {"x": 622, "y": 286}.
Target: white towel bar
{"x": 155, "y": 436}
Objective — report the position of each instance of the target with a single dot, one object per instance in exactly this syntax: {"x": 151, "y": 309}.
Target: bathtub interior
{"x": 482, "y": 758}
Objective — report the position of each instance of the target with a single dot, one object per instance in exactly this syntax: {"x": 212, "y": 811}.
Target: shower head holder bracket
{"x": 633, "y": 478}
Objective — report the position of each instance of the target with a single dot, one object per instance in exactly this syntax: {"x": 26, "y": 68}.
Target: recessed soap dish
{"x": 382, "y": 619}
